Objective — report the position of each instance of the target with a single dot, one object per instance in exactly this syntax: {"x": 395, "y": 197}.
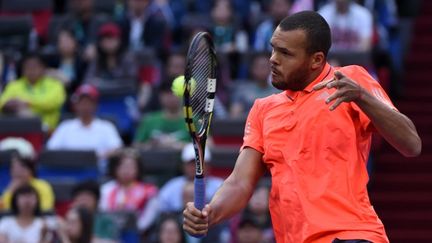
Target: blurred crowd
{"x": 98, "y": 73}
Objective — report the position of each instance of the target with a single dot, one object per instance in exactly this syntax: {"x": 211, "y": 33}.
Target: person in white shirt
{"x": 25, "y": 225}
{"x": 86, "y": 131}
{"x": 351, "y": 25}
{"x": 171, "y": 194}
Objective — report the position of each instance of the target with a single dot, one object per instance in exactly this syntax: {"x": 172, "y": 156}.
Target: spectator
{"x": 249, "y": 231}
{"x": 113, "y": 67}
{"x": 171, "y": 194}
{"x": 86, "y": 195}
{"x": 245, "y": 93}
{"x": 22, "y": 173}
{"x": 86, "y": 132}
{"x": 66, "y": 65}
{"x": 227, "y": 35}
{"x": 278, "y": 10}
{"x": 34, "y": 93}
{"x": 125, "y": 192}
{"x": 351, "y": 25}
{"x": 24, "y": 225}
{"x": 165, "y": 128}
{"x": 170, "y": 230}
{"x": 145, "y": 26}
{"x": 77, "y": 226}
{"x": 83, "y": 23}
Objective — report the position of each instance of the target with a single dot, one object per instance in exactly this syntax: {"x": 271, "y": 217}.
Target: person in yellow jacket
{"x": 22, "y": 172}
{"x": 34, "y": 93}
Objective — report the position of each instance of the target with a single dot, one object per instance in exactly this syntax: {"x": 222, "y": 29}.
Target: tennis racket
{"x": 199, "y": 94}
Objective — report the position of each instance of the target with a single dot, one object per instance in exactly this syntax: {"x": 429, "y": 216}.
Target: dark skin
{"x": 294, "y": 68}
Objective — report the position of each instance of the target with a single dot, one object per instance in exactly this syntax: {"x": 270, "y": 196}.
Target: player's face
{"x": 290, "y": 63}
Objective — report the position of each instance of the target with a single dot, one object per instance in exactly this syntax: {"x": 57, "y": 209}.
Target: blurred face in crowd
{"x": 85, "y": 199}
{"x": 176, "y": 65}
{"x": 249, "y": 233}
{"x": 342, "y": 6}
{"x": 67, "y": 44}
{"x": 85, "y": 107}
{"x": 137, "y": 7}
{"x": 188, "y": 192}
{"x": 222, "y": 12}
{"x": 82, "y": 6}
{"x": 189, "y": 169}
{"x": 19, "y": 171}
{"x": 170, "y": 232}
{"x": 27, "y": 203}
{"x": 169, "y": 101}
{"x": 73, "y": 224}
{"x": 260, "y": 68}
{"x": 258, "y": 203}
{"x": 279, "y": 9}
{"x": 127, "y": 170}
{"x": 33, "y": 69}
{"x": 290, "y": 62}
{"x": 110, "y": 44}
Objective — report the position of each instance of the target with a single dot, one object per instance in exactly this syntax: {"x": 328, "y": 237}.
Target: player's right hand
{"x": 196, "y": 222}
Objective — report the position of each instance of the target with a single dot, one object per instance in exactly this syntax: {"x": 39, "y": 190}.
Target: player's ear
{"x": 318, "y": 60}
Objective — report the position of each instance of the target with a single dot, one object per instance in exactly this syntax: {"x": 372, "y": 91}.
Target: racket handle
{"x": 199, "y": 197}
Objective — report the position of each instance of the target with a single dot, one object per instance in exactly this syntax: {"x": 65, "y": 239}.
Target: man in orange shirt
{"x": 314, "y": 138}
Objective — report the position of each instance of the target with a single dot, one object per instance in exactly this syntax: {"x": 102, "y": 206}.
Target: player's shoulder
{"x": 270, "y": 101}
{"x": 357, "y": 73}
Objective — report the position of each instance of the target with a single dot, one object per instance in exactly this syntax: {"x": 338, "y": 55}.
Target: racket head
{"x": 199, "y": 93}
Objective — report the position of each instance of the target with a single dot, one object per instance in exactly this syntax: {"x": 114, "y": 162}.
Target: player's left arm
{"x": 394, "y": 126}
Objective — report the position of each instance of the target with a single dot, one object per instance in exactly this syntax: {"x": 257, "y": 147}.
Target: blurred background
{"x": 93, "y": 146}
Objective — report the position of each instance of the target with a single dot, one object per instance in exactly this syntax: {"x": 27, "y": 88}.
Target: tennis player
{"x": 314, "y": 138}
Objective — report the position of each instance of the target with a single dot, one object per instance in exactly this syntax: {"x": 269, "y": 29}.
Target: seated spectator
{"x": 171, "y": 194}
{"x": 249, "y": 231}
{"x": 170, "y": 230}
{"x": 258, "y": 86}
{"x": 258, "y": 210}
{"x": 165, "y": 128}
{"x": 351, "y": 25}
{"x": 125, "y": 191}
{"x": 86, "y": 195}
{"x": 77, "y": 226}
{"x": 86, "y": 131}
{"x": 227, "y": 35}
{"x": 24, "y": 225}
{"x": 22, "y": 173}
{"x": 83, "y": 22}
{"x": 34, "y": 93}
{"x": 66, "y": 65}
{"x": 145, "y": 26}
{"x": 113, "y": 67}
{"x": 278, "y": 10}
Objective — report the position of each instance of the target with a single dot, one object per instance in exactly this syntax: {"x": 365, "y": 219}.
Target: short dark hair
{"x": 318, "y": 36}
{"x": 89, "y": 186}
{"x": 25, "y": 162}
{"x": 116, "y": 159}
{"x": 22, "y": 190}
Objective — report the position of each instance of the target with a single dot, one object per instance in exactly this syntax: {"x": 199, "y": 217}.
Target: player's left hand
{"x": 347, "y": 90}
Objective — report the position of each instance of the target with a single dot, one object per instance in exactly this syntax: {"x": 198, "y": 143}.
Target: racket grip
{"x": 199, "y": 197}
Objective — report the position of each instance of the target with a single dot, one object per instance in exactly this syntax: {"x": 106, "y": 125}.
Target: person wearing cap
{"x": 86, "y": 131}
{"x": 170, "y": 196}
{"x": 113, "y": 67}
{"x": 177, "y": 191}
{"x": 34, "y": 93}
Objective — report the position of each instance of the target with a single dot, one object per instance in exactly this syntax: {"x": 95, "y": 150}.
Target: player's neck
{"x": 313, "y": 75}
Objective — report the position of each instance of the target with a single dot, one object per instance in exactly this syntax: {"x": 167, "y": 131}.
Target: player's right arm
{"x": 231, "y": 197}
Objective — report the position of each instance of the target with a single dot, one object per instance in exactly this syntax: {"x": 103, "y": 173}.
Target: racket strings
{"x": 201, "y": 71}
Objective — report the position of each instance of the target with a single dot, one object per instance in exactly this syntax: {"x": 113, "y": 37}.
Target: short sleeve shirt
{"x": 317, "y": 159}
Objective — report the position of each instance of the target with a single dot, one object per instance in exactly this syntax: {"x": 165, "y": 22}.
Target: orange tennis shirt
{"x": 317, "y": 159}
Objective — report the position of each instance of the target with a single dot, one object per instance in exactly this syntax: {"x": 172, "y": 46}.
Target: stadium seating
{"x": 27, "y": 128}
{"x": 160, "y": 165}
